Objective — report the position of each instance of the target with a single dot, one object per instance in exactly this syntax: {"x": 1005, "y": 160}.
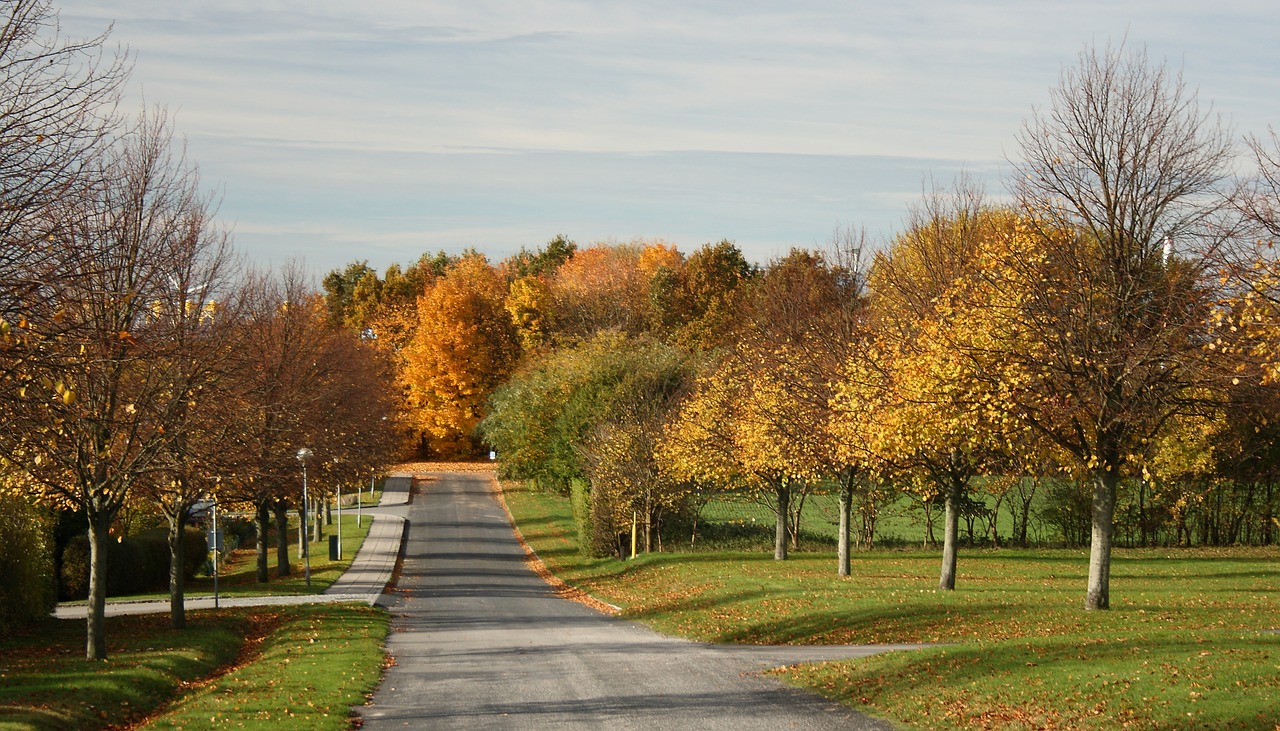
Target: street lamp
{"x": 338, "y": 480}
{"x": 360, "y": 502}
{"x": 303, "y": 455}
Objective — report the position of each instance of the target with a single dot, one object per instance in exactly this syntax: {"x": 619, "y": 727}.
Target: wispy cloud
{"x": 443, "y": 123}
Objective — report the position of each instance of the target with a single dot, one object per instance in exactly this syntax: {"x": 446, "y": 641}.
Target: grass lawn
{"x": 1187, "y": 643}
{"x": 237, "y": 574}
{"x": 300, "y": 666}
{"x": 303, "y": 666}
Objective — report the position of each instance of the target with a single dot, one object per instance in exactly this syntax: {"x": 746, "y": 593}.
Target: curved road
{"x": 481, "y": 642}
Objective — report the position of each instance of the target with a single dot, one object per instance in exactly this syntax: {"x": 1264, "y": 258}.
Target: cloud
{"x": 495, "y": 123}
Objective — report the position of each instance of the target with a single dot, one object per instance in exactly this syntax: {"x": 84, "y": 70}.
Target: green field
{"x": 1189, "y": 642}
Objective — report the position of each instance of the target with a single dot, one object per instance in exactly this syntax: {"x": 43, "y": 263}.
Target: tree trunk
{"x": 1104, "y": 506}
{"x": 843, "y": 567}
{"x": 780, "y": 534}
{"x": 951, "y": 534}
{"x": 282, "y": 538}
{"x": 793, "y": 523}
{"x": 1026, "y": 519}
{"x": 263, "y": 518}
{"x": 177, "y": 595}
{"x": 95, "y": 610}
{"x": 930, "y": 540}
{"x": 648, "y": 529}
{"x": 994, "y": 521}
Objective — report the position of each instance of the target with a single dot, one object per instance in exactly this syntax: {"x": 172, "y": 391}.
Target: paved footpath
{"x": 481, "y": 642}
{"x": 364, "y": 581}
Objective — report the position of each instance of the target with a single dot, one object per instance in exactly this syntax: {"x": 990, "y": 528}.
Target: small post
{"x": 635, "y": 518}
{"x": 217, "y": 546}
{"x": 337, "y": 479}
{"x": 303, "y": 455}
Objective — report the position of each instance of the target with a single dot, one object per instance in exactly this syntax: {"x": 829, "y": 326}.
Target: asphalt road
{"x": 480, "y": 642}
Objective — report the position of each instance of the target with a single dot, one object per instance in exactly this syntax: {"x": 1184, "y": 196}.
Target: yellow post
{"x": 635, "y": 517}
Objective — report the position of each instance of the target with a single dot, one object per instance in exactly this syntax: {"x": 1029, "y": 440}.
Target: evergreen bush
{"x": 26, "y": 563}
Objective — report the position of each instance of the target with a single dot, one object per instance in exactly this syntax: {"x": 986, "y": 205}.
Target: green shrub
{"x": 195, "y": 552}
{"x": 580, "y": 502}
{"x": 237, "y": 532}
{"x": 134, "y": 565}
{"x": 26, "y": 562}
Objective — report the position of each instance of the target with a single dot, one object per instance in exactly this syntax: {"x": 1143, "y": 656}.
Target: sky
{"x": 338, "y": 131}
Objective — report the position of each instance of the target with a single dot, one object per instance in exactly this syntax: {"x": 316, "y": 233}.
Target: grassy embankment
{"x": 293, "y": 667}
{"x": 303, "y": 667}
{"x": 1187, "y": 643}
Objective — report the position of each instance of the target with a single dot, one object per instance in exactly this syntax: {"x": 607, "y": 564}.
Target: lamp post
{"x": 217, "y": 548}
{"x": 303, "y": 455}
{"x": 338, "y": 480}
{"x": 360, "y": 502}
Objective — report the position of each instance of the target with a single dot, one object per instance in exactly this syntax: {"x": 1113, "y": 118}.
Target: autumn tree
{"x": 1108, "y": 329}
{"x": 463, "y": 347}
{"x": 282, "y": 327}
{"x": 107, "y": 390}
{"x": 604, "y": 287}
{"x": 528, "y": 303}
{"x": 912, "y": 396}
{"x": 198, "y": 309}
{"x": 801, "y": 319}
{"x": 759, "y": 417}
{"x": 740, "y": 430}
{"x": 696, "y": 305}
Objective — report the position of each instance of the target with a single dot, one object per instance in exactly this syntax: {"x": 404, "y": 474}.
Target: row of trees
{"x": 1110, "y": 322}
{"x": 140, "y": 361}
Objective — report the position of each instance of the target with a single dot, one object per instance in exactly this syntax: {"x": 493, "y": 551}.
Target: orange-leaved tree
{"x": 463, "y": 348}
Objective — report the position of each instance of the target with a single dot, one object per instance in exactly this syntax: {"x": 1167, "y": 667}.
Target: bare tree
{"x": 198, "y": 307}
{"x": 1121, "y": 162}
{"x": 57, "y": 104}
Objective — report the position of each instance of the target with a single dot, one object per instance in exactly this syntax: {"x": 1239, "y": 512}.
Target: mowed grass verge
{"x": 1187, "y": 644}
{"x": 237, "y": 576}
{"x": 296, "y": 667}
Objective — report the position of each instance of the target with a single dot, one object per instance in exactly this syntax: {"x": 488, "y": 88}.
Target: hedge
{"x": 134, "y": 565}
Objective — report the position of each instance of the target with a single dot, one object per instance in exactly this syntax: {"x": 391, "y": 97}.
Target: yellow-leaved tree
{"x": 463, "y": 348}
{"x": 913, "y": 397}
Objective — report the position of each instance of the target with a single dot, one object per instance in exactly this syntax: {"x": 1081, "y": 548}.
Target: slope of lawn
{"x": 1187, "y": 643}
{"x": 301, "y": 666}
{"x": 257, "y": 668}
